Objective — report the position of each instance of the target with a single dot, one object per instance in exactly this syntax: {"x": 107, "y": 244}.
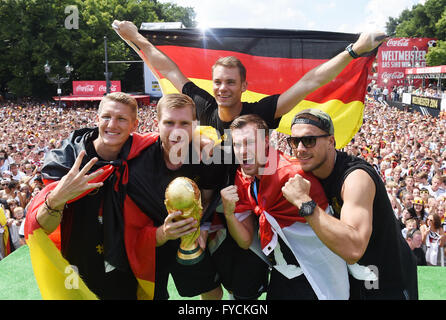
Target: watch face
{"x": 307, "y": 208}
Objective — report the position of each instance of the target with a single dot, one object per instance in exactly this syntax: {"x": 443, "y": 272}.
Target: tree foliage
{"x": 35, "y": 31}
{"x": 437, "y": 55}
{"x": 427, "y": 21}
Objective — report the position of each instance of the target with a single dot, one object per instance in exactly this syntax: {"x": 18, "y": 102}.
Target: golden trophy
{"x": 182, "y": 194}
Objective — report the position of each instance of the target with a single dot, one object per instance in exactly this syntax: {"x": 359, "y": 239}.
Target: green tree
{"x": 35, "y": 31}
{"x": 418, "y": 25}
{"x": 428, "y": 20}
{"x": 391, "y": 26}
{"x": 437, "y": 55}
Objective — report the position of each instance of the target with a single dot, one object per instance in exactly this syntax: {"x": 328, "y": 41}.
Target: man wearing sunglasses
{"x": 363, "y": 229}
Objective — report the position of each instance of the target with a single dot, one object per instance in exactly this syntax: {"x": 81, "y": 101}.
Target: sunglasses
{"x": 307, "y": 141}
{"x": 420, "y": 202}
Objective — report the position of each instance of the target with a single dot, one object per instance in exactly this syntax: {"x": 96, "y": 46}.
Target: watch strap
{"x": 351, "y": 52}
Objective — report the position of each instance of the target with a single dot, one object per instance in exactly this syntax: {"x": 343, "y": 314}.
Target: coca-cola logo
{"x": 103, "y": 88}
{"x": 85, "y": 88}
{"x": 392, "y": 75}
{"x": 404, "y": 42}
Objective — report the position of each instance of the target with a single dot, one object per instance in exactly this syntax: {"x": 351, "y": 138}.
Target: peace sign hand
{"x": 74, "y": 183}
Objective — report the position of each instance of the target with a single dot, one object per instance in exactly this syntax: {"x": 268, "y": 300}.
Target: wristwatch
{"x": 351, "y": 52}
{"x": 307, "y": 208}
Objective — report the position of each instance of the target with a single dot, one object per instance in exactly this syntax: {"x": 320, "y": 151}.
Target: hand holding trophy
{"x": 182, "y": 194}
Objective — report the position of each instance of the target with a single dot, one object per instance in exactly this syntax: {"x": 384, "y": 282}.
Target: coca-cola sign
{"x": 94, "y": 88}
{"x": 403, "y": 42}
{"x": 395, "y": 56}
{"x": 87, "y": 88}
{"x": 392, "y": 75}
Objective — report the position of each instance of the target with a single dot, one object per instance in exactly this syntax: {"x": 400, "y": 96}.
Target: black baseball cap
{"x": 324, "y": 121}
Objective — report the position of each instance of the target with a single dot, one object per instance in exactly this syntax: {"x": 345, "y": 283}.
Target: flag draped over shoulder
{"x": 275, "y": 60}
{"x": 4, "y": 237}
{"x": 54, "y": 275}
{"x": 278, "y": 218}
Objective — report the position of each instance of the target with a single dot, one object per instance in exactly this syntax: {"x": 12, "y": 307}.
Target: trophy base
{"x": 190, "y": 257}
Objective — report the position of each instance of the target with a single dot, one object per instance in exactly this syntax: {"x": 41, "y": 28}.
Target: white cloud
{"x": 344, "y": 28}
{"x": 377, "y": 13}
{"x": 280, "y": 14}
{"x": 329, "y": 15}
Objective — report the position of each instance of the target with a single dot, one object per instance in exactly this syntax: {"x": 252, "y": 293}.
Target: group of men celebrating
{"x": 317, "y": 225}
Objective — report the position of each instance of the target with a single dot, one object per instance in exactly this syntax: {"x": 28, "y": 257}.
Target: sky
{"x": 352, "y": 16}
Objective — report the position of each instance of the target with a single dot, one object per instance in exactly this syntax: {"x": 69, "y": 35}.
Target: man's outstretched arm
{"x": 158, "y": 60}
{"x": 324, "y": 73}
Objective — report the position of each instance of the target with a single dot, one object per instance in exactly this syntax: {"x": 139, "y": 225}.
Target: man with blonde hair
{"x": 121, "y": 229}
{"x": 150, "y": 174}
{"x": 81, "y": 208}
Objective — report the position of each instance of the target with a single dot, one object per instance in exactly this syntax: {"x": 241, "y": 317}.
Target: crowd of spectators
{"x": 396, "y": 92}
{"x": 27, "y": 131}
{"x": 407, "y": 149}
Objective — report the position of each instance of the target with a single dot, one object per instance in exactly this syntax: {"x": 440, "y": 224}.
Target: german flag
{"x": 275, "y": 60}
{"x": 5, "y": 236}
{"x": 56, "y": 277}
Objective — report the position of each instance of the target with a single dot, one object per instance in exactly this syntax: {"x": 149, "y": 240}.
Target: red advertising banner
{"x": 397, "y": 54}
{"x": 435, "y": 70}
{"x": 94, "y": 88}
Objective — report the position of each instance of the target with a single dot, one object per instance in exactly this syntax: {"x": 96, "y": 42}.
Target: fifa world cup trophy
{"x": 182, "y": 194}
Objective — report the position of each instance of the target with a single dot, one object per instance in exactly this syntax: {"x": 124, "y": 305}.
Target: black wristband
{"x": 351, "y": 51}
{"x": 49, "y": 209}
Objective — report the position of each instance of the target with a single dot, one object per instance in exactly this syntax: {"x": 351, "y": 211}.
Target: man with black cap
{"x": 363, "y": 229}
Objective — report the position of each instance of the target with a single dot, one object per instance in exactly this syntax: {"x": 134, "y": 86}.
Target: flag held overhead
{"x": 275, "y": 60}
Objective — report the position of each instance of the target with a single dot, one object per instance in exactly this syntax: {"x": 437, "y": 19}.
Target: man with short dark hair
{"x": 17, "y": 174}
{"x": 303, "y": 267}
{"x": 363, "y": 229}
{"x": 414, "y": 240}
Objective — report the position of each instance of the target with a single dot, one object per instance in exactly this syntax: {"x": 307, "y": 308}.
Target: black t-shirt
{"x": 420, "y": 256}
{"x": 387, "y": 250}
{"x": 207, "y": 114}
{"x": 207, "y": 108}
{"x": 148, "y": 180}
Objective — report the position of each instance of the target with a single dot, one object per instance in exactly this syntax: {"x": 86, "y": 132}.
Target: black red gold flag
{"x": 275, "y": 60}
